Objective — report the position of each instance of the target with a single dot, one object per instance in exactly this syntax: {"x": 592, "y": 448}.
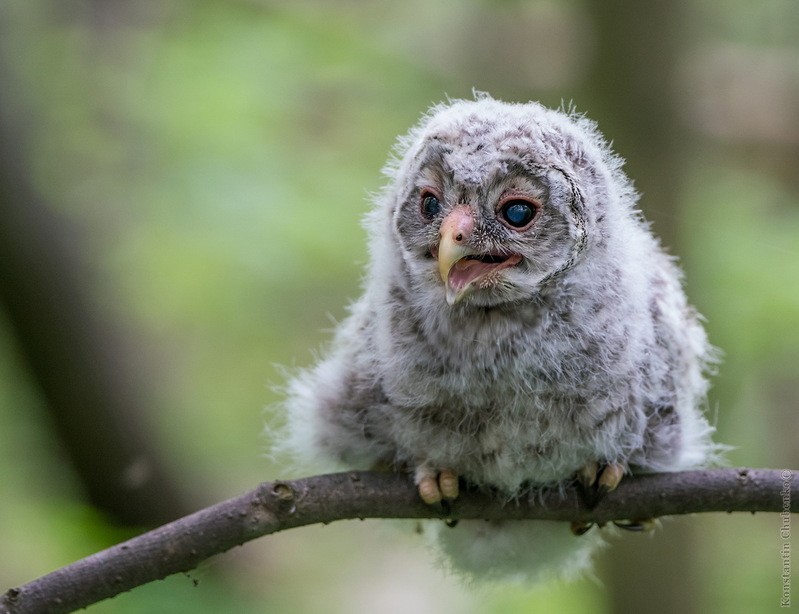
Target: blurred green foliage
{"x": 218, "y": 158}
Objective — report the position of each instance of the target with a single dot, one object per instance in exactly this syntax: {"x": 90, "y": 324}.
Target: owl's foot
{"x": 436, "y": 487}
{"x": 596, "y": 482}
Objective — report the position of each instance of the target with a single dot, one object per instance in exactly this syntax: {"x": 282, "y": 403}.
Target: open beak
{"x": 456, "y": 230}
{"x": 462, "y": 269}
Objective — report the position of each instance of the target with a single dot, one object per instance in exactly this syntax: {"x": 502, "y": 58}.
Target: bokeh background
{"x": 181, "y": 189}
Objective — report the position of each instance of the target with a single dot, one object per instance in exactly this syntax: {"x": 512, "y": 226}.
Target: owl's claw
{"x": 597, "y": 483}
{"x": 434, "y": 488}
{"x": 609, "y": 479}
{"x": 638, "y": 525}
{"x": 587, "y": 475}
{"x": 578, "y": 527}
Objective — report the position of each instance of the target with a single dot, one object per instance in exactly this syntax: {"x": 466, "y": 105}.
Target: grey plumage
{"x": 553, "y": 344}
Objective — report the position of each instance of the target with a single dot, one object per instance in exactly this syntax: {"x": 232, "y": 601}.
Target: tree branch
{"x": 277, "y": 506}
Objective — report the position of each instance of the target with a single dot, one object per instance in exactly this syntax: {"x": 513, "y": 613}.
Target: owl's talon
{"x": 578, "y": 527}
{"x": 587, "y": 475}
{"x": 637, "y": 525}
{"x": 610, "y": 477}
{"x": 446, "y": 508}
{"x": 595, "y": 483}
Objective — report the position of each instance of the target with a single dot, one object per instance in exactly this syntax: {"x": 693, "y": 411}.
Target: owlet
{"x": 519, "y": 326}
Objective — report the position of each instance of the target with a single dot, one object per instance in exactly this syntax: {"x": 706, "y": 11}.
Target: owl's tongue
{"x": 476, "y": 271}
{"x": 466, "y": 270}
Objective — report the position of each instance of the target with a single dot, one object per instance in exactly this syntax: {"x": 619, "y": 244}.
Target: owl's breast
{"x": 474, "y": 361}
{"x": 498, "y": 399}
{"x": 504, "y": 442}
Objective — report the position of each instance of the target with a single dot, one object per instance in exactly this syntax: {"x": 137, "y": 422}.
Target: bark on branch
{"x": 275, "y": 506}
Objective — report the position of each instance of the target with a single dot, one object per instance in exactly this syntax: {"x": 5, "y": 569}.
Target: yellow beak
{"x": 455, "y": 231}
{"x": 450, "y": 252}
{"x": 460, "y": 273}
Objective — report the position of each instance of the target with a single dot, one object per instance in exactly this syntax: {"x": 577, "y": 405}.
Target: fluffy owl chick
{"x": 519, "y": 325}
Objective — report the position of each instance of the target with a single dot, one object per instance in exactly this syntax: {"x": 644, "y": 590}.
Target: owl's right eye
{"x": 430, "y": 205}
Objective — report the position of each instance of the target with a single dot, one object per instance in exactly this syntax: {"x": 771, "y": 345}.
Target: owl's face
{"x": 487, "y": 208}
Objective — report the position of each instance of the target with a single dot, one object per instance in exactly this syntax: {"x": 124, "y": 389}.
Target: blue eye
{"x": 517, "y": 213}
{"x": 431, "y": 206}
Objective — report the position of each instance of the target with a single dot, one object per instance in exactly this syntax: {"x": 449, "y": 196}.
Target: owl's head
{"x": 490, "y": 201}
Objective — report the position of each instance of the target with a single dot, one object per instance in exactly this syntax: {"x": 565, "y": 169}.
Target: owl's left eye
{"x": 430, "y": 205}
{"x": 517, "y": 213}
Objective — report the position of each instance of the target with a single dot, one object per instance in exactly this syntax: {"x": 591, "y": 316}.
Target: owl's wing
{"x": 337, "y": 411}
